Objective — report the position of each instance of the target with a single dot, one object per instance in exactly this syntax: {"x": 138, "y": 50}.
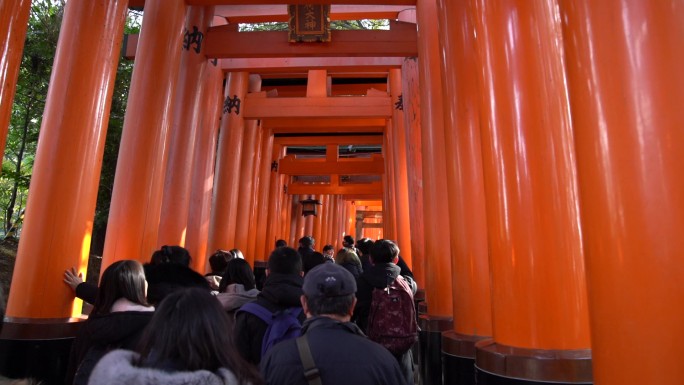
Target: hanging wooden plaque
{"x": 309, "y": 23}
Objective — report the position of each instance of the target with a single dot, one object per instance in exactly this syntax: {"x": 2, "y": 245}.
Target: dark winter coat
{"x": 341, "y": 352}
{"x": 100, "y": 334}
{"x": 281, "y": 291}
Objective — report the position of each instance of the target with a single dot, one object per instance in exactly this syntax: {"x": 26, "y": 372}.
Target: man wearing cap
{"x": 341, "y": 353}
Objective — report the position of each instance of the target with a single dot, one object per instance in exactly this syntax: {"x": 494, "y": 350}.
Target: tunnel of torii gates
{"x": 529, "y": 164}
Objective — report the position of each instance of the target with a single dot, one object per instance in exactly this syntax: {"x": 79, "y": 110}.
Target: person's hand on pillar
{"x": 72, "y": 278}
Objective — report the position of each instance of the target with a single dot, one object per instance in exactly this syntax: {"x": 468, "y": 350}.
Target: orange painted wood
{"x": 254, "y": 209}
{"x": 338, "y": 107}
{"x": 438, "y": 291}
{"x": 275, "y": 199}
{"x": 626, "y": 90}
{"x": 539, "y": 297}
{"x": 256, "y": 13}
{"x": 263, "y": 245}
{"x": 317, "y": 83}
{"x": 136, "y": 198}
{"x": 276, "y": 65}
{"x": 247, "y": 183}
{"x": 399, "y": 41}
{"x": 61, "y": 203}
{"x": 173, "y": 220}
{"x": 414, "y": 171}
{"x": 465, "y": 182}
{"x": 14, "y": 16}
{"x": 324, "y": 124}
{"x": 140, "y": 3}
{"x": 226, "y": 187}
{"x": 326, "y": 140}
{"x": 401, "y": 186}
{"x": 290, "y": 165}
{"x": 203, "y": 169}
{"x": 374, "y": 188}
{"x": 298, "y": 219}
{"x": 389, "y": 219}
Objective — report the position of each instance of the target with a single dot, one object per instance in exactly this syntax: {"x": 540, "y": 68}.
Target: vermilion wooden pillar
{"x": 297, "y": 218}
{"x": 247, "y": 183}
{"x": 414, "y": 172}
{"x": 253, "y": 209}
{"x": 173, "y": 222}
{"x": 203, "y": 169}
{"x": 226, "y": 186}
{"x": 388, "y": 202}
{"x": 626, "y": 86}
{"x": 61, "y": 203}
{"x": 14, "y": 15}
{"x": 275, "y": 199}
{"x": 537, "y": 267}
{"x": 263, "y": 244}
{"x": 465, "y": 185}
{"x": 136, "y": 199}
{"x": 438, "y": 292}
{"x": 328, "y": 218}
{"x": 401, "y": 197}
{"x": 287, "y": 216}
{"x": 318, "y": 224}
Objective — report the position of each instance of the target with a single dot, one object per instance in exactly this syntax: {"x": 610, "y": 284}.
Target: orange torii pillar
{"x": 465, "y": 185}
{"x": 398, "y": 143}
{"x": 276, "y": 197}
{"x": 286, "y": 218}
{"x": 263, "y": 244}
{"x": 626, "y": 86}
{"x": 438, "y": 290}
{"x": 539, "y": 300}
{"x": 256, "y": 177}
{"x": 351, "y": 219}
{"x": 388, "y": 201}
{"x": 14, "y": 15}
{"x": 226, "y": 176}
{"x": 66, "y": 172}
{"x": 203, "y": 169}
{"x": 327, "y": 218}
{"x": 173, "y": 221}
{"x": 318, "y": 224}
{"x": 414, "y": 172}
{"x": 246, "y": 180}
{"x": 297, "y": 220}
{"x": 137, "y": 195}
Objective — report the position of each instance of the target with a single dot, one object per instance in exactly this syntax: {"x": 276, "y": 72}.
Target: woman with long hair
{"x": 118, "y": 317}
{"x": 237, "y": 287}
{"x": 184, "y": 343}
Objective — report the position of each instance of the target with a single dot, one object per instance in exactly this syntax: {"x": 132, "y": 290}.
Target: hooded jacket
{"x": 281, "y": 291}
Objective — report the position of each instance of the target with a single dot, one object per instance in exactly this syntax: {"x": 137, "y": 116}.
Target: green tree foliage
{"x": 27, "y": 112}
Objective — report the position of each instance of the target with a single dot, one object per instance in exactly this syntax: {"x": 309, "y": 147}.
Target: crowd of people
{"x": 163, "y": 323}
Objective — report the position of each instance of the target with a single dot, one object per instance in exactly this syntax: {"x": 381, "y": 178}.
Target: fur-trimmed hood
{"x": 117, "y": 368}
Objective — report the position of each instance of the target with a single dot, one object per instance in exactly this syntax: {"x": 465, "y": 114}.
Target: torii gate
{"x": 545, "y": 135}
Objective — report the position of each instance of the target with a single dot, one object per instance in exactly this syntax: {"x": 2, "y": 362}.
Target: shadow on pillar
{"x": 458, "y": 358}
{"x": 37, "y": 349}
{"x": 430, "y": 345}
{"x": 497, "y": 364}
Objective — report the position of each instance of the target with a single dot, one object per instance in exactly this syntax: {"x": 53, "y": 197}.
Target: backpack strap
{"x": 258, "y": 310}
{"x": 313, "y": 376}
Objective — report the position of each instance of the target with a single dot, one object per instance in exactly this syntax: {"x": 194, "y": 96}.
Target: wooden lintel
{"x": 372, "y": 225}
{"x": 355, "y": 197}
{"x": 368, "y": 202}
{"x": 325, "y": 140}
{"x": 315, "y": 123}
{"x": 302, "y": 64}
{"x": 400, "y": 41}
{"x": 368, "y": 214}
{"x": 351, "y": 189}
{"x": 257, "y": 13}
{"x": 333, "y": 107}
{"x": 291, "y": 166}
